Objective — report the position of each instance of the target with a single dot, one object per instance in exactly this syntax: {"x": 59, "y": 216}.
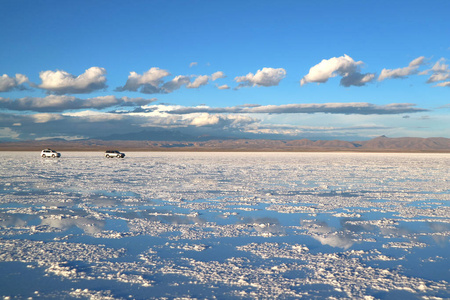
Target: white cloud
{"x": 10, "y": 83}
{"x": 265, "y": 77}
{"x": 61, "y": 82}
{"x": 88, "y": 225}
{"x": 198, "y": 82}
{"x": 44, "y": 118}
{"x": 440, "y": 72}
{"x": 438, "y": 77}
{"x": 440, "y": 66}
{"x": 204, "y": 79}
{"x": 95, "y": 116}
{"x": 8, "y": 133}
{"x": 343, "y": 66}
{"x": 217, "y": 75}
{"x": 175, "y": 83}
{"x": 192, "y": 64}
{"x": 411, "y": 69}
{"x": 223, "y": 87}
{"x": 205, "y": 120}
{"x": 417, "y": 62}
{"x": 166, "y": 115}
{"x": 334, "y": 240}
{"x": 443, "y": 84}
{"x": 220, "y": 121}
{"x": 64, "y": 137}
{"x": 149, "y": 81}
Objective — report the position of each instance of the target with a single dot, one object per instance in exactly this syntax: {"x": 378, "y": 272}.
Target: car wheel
{"x": 107, "y": 156}
{"x": 43, "y": 156}
{"x": 53, "y": 155}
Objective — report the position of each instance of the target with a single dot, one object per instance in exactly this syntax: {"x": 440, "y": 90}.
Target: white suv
{"x": 50, "y": 153}
{"x": 114, "y": 153}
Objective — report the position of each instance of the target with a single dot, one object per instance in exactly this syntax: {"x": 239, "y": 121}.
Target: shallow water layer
{"x": 226, "y": 225}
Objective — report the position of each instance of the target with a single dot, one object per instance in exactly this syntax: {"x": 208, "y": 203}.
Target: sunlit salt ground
{"x": 225, "y": 225}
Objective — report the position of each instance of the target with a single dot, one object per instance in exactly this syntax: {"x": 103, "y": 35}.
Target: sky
{"x": 347, "y": 70}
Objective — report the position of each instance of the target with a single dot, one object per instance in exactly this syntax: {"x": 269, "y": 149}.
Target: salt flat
{"x": 228, "y": 225}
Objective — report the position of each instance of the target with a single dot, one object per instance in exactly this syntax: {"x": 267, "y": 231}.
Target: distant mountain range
{"x": 205, "y": 143}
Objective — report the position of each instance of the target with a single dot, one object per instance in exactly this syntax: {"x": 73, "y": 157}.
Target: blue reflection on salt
{"x": 227, "y": 225}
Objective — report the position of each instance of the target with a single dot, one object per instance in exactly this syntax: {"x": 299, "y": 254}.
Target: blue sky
{"x": 349, "y": 70}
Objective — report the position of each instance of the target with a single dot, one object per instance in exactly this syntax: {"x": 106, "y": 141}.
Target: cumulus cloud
{"x": 357, "y": 79}
{"x": 440, "y": 66}
{"x": 58, "y": 103}
{"x": 152, "y": 82}
{"x": 265, "y": 77}
{"x": 193, "y": 64}
{"x": 205, "y": 120}
{"x": 438, "y": 77}
{"x": 444, "y": 84}
{"x": 358, "y": 108}
{"x": 12, "y": 83}
{"x": 198, "y": 82}
{"x": 411, "y": 69}
{"x": 202, "y": 80}
{"x": 223, "y": 87}
{"x": 343, "y": 66}
{"x": 439, "y": 72}
{"x": 217, "y": 75}
{"x": 61, "y": 82}
{"x": 175, "y": 83}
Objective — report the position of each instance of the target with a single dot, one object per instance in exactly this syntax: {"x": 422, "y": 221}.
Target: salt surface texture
{"x": 225, "y": 225}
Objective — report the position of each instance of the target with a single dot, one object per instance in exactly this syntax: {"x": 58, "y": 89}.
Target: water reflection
{"x": 228, "y": 226}
{"x": 12, "y": 220}
{"x": 89, "y": 226}
{"x": 350, "y": 225}
{"x": 265, "y": 225}
{"x": 441, "y": 232}
{"x": 335, "y": 239}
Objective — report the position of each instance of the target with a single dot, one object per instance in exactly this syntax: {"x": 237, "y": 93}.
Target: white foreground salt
{"x": 225, "y": 225}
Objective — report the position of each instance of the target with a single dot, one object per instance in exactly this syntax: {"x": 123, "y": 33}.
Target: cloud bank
{"x": 249, "y": 121}
{"x": 59, "y": 103}
{"x": 359, "y": 108}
